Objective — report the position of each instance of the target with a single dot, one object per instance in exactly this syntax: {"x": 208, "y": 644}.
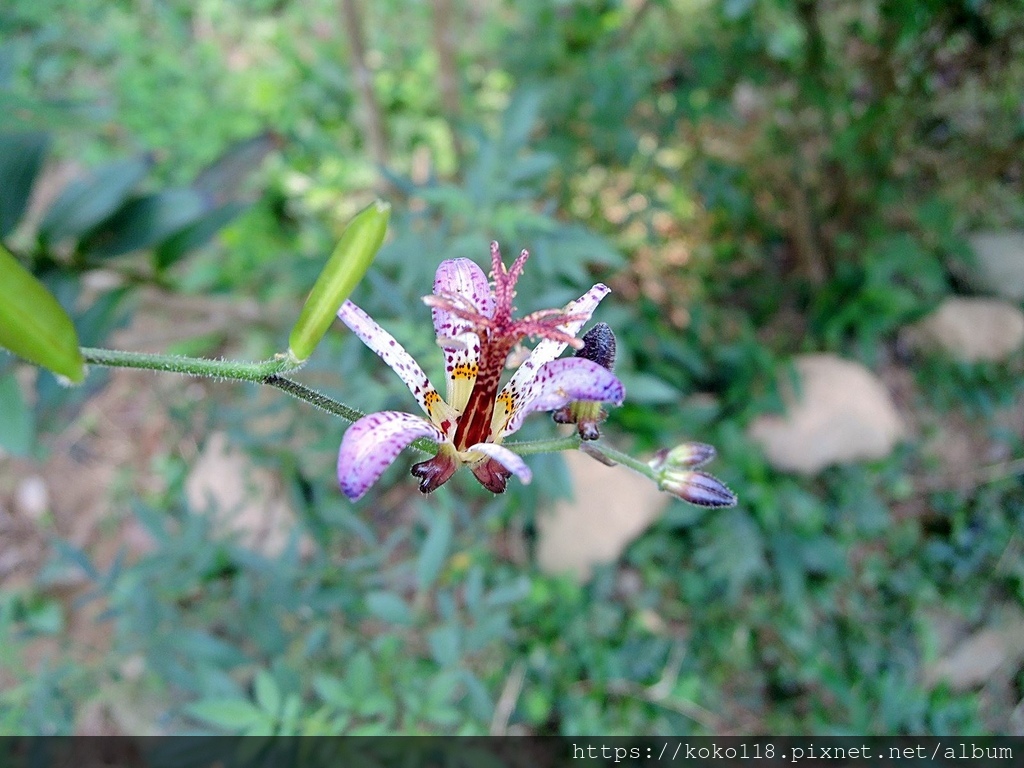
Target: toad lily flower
{"x": 475, "y": 329}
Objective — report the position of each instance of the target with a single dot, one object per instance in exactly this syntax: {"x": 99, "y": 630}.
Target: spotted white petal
{"x": 559, "y": 383}
{"x": 513, "y": 462}
{"x": 400, "y": 361}
{"x": 373, "y": 442}
{"x": 546, "y": 351}
{"x": 464, "y": 279}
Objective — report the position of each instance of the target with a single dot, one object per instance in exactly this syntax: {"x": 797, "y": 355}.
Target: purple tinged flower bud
{"x": 598, "y": 347}
{"x": 676, "y": 475}
{"x": 698, "y": 488}
{"x": 683, "y": 456}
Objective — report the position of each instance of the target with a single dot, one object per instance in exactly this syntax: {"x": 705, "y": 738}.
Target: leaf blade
{"x": 21, "y": 158}
{"x": 84, "y": 203}
{"x": 33, "y": 324}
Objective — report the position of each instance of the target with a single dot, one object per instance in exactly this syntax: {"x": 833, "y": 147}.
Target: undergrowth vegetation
{"x": 753, "y": 178}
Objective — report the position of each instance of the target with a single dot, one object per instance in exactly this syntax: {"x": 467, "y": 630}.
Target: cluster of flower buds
{"x": 598, "y": 347}
{"x": 678, "y": 475}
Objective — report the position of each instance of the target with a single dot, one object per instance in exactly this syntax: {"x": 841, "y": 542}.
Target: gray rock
{"x": 1000, "y": 263}
{"x": 971, "y": 329}
{"x": 611, "y": 507}
{"x": 246, "y": 500}
{"x": 995, "y": 649}
{"x": 844, "y": 414}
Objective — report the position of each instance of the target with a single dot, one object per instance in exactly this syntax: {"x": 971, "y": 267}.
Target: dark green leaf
{"x": 268, "y": 694}
{"x": 145, "y": 221}
{"x": 445, "y": 645}
{"x": 86, "y": 202}
{"x": 222, "y": 179}
{"x": 229, "y": 714}
{"x": 645, "y": 388}
{"x": 196, "y": 234}
{"x": 389, "y": 607}
{"x": 435, "y": 549}
{"x": 21, "y": 157}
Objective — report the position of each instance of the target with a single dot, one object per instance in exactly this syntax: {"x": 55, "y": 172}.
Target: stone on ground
{"x": 971, "y": 330}
{"x": 995, "y": 649}
{"x": 1000, "y": 263}
{"x": 245, "y": 499}
{"x": 611, "y": 507}
{"x": 843, "y": 415}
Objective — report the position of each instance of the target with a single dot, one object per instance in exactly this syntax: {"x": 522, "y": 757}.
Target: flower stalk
{"x": 476, "y": 329}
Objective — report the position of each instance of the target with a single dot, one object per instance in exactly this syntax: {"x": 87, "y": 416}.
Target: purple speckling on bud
{"x": 683, "y": 456}
{"x": 698, "y": 488}
{"x": 599, "y": 346}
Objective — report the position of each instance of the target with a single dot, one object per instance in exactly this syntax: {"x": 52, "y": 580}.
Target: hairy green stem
{"x": 553, "y": 445}
{"x": 333, "y": 407}
{"x": 626, "y": 460}
{"x": 571, "y": 442}
{"x": 191, "y": 366}
{"x": 269, "y": 372}
{"x": 314, "y": 398}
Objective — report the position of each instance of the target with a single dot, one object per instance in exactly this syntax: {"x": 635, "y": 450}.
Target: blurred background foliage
{"x": 754, "y": 178}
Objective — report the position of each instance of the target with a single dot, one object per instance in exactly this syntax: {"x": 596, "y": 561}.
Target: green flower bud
{"x": 352, "y": 256}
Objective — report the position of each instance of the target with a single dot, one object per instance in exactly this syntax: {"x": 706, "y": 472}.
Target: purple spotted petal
{"x": 547, "y": 350}
{"x": 400, "y": 361}
{"x": 513, "y": 462}
{"x": 461, "y": 345}
{"x": 461, "y": 277}
{"x": 562, "y": 381}
{"x": 373, "y": 442}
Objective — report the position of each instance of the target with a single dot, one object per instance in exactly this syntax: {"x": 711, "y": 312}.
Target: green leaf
{"x": 445, "y": 645}
{"x": 17, "y": 426}
{"x": 434, "y": 551}
{"x": 21, "y": 157}
{"x": 353, "y": 255}
{"x": 268, "y": 694}
{"x": 45, "y": 617}
{"x": 645, "y": 388}
{"x": 145, "y": 221}
{"x": 223, "y": 178}
{"x": 84, "y": 203}
{"x": 389, "y": 607}
{"x": 229, "y": 714}
{"x": 33, "y": 324}
{"x": 332, "y": 691}
{"x": 360, "y": 677}
{"x": 196, "y": 234}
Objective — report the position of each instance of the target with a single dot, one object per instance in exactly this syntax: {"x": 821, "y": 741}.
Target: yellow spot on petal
{"x": 460, "y": 384}
{"x": 502, "y": 413}
{"x": 464, "y": 371}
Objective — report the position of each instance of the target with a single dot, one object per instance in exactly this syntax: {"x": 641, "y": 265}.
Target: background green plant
{"x": 753, "y": 177}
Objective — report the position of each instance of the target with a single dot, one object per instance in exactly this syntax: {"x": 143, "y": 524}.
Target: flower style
{"x": 476, "y": 330}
